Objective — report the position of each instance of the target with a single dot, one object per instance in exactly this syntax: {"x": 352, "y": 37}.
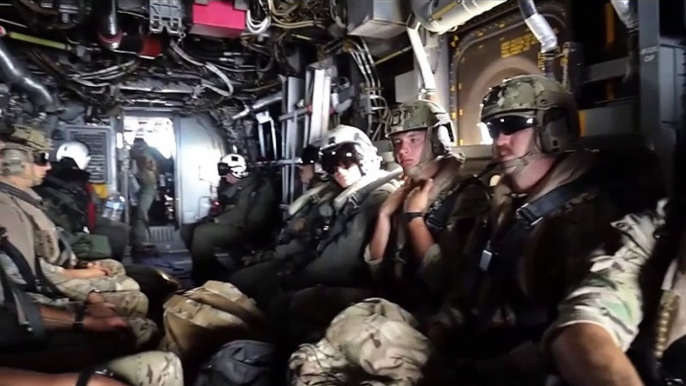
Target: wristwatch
{"x": 78, "y": 320}
{"x": 409, "y": 216}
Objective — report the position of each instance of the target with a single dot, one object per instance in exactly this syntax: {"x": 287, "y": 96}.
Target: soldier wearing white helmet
{"x": 77, "y": 151}
{"x": 247, "y": 206}
{"x": 232, "y": 167}
{"x": 340, "y": 230}
{"x": 72, "y": 203}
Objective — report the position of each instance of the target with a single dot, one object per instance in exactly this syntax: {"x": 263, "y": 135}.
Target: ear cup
{"x": 557, "y": 132}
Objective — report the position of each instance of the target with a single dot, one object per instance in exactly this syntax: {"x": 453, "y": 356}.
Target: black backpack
{"x": 239, "y": 363}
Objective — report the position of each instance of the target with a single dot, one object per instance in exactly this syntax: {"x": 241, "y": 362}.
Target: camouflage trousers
{"x": 122, "y": 291}
{"x": 152, "y": 368}
{"x": 145, "y": 332}
{"x": 370, "y": 341}
{"x": 113, "y": 266}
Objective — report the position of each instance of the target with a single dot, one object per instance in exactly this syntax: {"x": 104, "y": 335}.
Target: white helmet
{"x": 346, "y": 144}
{"x": 233, "y": 164}
{"x": 77, "y": 151}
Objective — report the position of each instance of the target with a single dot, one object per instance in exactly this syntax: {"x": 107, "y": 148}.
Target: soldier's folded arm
{"x": 75, "y": 289}
{"x": 599, "y": 319}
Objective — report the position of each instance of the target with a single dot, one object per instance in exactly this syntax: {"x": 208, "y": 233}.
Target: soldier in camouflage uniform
{"x": 423, "y": 214}
{"x": 23, "y": 164}
{"x": 548, "y": 216}
{"x": 46, "y": 339}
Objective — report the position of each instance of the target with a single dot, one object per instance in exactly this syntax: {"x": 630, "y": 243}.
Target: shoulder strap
{"x": 36, "y": 283}
{"x": 352, "y": 206}
{"x": 500, "y": 257}
{"x": 436, "y": 220}
{"x": 9, "y": 189}
{"x": 23, "y": 304}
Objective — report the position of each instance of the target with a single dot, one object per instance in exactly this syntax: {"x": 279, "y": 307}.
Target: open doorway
{"x": 153, "y": 137}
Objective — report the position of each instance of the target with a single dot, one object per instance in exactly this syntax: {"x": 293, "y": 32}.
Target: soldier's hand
{"x": 418, "y": 199}
{"x": 108, "y": 324}
{"x": 90, "y": 273}
{"x": 96, "y": 265}
{"x": 394, "y": 201}
{"x": 101, "y": 310}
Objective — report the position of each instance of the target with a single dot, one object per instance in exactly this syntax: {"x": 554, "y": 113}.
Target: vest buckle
{"x": 525, "y": 214}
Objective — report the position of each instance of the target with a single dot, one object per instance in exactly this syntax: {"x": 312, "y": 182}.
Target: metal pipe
{"x": 543, "y": 32}
{"x": 428, "y": 77}
{"x": 628, "y": 15}
{"x": 259, "y": 104}
{"x": 112, "y": 38}
{"x": 450, "y": 15}
{"x": 12, "y": 71}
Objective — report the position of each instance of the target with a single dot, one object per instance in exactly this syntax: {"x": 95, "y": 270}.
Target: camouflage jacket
{"x": 556, "y": 256}
{"x": 470, "y": 204}
{"x": 613, "y": 292}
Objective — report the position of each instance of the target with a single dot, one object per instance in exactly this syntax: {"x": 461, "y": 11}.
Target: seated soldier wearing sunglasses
{"x": 340, "y": 229}
{"x": 547, "y": 217}
{"x": 40, "y": 258}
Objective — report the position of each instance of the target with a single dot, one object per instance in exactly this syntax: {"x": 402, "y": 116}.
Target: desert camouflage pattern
{"x": 374, "y": 342}
{"x": 524, "y": 95}
{"x": 145, "y": 331}
{"x": 611, "y": 296}
{"x": 152, "y": 368}
{"x": 115, "y": 267}
{"x": 122, "y": 291}
{"x": 200, "y": 320}
{"x": 417, "y": 115}
{"x": 311, "y": 310}
{"x": 27, "y": 138}
{"x": 19, "y": 217}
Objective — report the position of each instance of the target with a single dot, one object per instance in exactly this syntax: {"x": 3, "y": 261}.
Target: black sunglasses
{"x": 508, "y": 125}
{"x": 41, "y": 159}
{"x": 344, "y": 155}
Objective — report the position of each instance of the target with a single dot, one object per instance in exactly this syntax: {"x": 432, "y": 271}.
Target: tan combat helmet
{"x": 19, "y": 144}
{"x": 533, "y": 101}
{"x": 428, "y": 116}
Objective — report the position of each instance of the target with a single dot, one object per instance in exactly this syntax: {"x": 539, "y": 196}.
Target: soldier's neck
{"x": 19, "y": 183}
{"x": 527, "y": 181}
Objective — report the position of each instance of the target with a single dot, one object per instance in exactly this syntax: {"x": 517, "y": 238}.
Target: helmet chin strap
{"x": 517, "y": 165}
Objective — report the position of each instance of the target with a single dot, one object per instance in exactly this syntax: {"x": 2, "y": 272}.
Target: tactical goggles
{"x": 343, "y": 156}
{"x": 223, "y": 169}
{"x": 41, "y": 158}
{"x": 508, "y": 125}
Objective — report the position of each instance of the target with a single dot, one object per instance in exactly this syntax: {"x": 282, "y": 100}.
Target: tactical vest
{"x": 400, "y": 261}
{"x": 500, "y": 258}
{"x": 337, "y": 223}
